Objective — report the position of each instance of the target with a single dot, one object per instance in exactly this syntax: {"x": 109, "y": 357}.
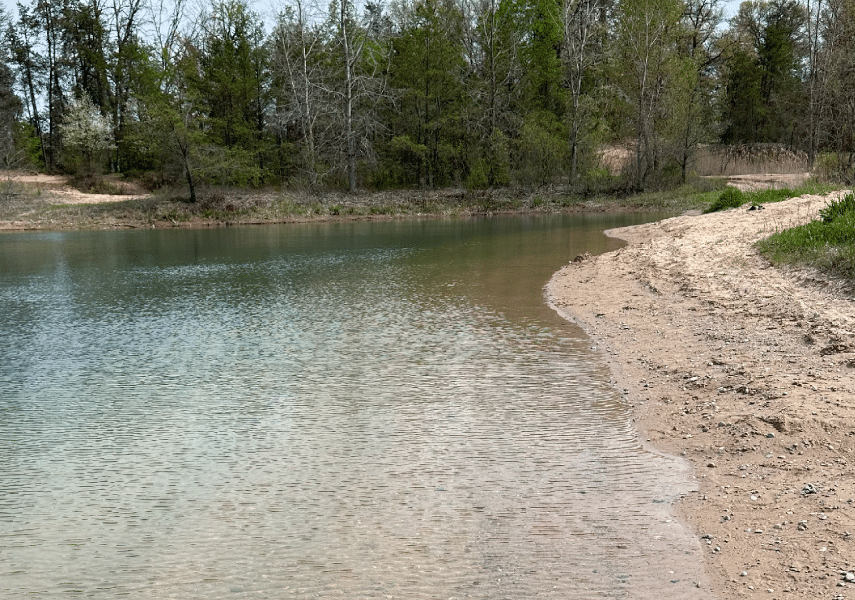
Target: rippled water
{"x": 356, "y": 410}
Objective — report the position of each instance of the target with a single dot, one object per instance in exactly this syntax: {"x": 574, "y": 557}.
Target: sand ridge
{"x": 747, "y": 371}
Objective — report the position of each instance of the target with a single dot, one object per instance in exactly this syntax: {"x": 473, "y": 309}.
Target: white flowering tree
{"x": 87, "y": 133}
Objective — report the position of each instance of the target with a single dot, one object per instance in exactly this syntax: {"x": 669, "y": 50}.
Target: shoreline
{"x": 744, "y": 370}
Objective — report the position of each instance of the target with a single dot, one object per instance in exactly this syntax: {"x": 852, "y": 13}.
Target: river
{"x": 340, "y": 410}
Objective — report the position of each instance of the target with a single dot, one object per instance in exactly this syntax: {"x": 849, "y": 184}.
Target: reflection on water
{"x": 351, "y": 410}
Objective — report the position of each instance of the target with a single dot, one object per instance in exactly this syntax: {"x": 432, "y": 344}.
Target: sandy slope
{"x": 745, "y": 370}
{"x": 57, "y": 186}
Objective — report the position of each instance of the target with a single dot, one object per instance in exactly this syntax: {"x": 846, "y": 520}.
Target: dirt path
{"x": 746, "y": 371}
{"x": 57, "y": 186}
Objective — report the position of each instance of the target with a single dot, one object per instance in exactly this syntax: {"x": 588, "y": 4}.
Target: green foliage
{"x": 733, "y": 198}
{"x": 543, "y": 74}
{"x": 29, "y": 141}
{"x": 729, "y": 198}
{"x": 541, "y": 149}
{"x": 428, "y": 66}
{"x": 404, "y": 162}
{"x": 763, "y": 95}
{"x": 838, "y": 208}
{"x": 828, "y": 245}
{"x": 478, "y": 178}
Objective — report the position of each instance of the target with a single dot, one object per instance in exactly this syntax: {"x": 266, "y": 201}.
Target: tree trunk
{"x": 348, "y": 101}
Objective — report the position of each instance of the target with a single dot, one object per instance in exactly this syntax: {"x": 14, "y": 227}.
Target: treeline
{"x": 421, "y": 93}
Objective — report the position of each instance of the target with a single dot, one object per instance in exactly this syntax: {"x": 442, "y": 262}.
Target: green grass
{"x": 693, "y": 195}
{"x": 733, "y": 198}
{"x": 827, "y": 243}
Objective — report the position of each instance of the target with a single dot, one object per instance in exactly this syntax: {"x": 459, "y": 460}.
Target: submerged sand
{"x": 747, "y": 371}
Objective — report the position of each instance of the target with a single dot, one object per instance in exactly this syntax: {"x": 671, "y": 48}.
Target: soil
{"x": 746, "y": 370}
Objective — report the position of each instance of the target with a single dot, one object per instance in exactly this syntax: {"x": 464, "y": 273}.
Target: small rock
{"x": 743, "y": 574}
{"x": 849, "y": 576}
{"x": 711, "y": 465}
{"x": 770, "y": 435}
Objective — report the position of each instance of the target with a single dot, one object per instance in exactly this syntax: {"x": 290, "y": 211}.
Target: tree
{"x": 582, "y": 28}
{"x": 427, "y": 69}
{"x": 695, "y": 115}
{"x": 364, "y": 58}
{"x": 231, "y": 77}
{"x": 650, "y": 68}
{"x": 87, "y": 133}
{"x": 836, "y": 97}
{"x": 300, "y": 87}
{"x": 10, "y": 111}
{"x": 493, "y": 35}
{"x": 765, "y": 100}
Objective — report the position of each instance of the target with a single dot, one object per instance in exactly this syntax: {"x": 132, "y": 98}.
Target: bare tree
{"x": 364, "y": 56}
{"x": 581, "y": 26}
{"x": 300, "y": 81}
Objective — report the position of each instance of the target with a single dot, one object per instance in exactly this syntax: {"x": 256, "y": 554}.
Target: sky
{"x": 730, "y": 7}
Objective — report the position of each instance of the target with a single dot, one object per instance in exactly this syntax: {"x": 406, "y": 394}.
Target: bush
{"x": 729, "y": 198}
{"x": 838, "y": 208}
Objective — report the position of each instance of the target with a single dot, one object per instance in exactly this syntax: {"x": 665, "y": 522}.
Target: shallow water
{"x": 351, "y": 410}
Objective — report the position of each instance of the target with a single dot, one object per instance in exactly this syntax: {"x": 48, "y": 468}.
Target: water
{"x": 356, "y": 410}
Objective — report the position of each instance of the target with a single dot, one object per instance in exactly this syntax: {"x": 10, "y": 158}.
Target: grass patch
{"x": 733, "y": 198}
{"x": 690, "y": 196}
{"x": 827, "y": 243}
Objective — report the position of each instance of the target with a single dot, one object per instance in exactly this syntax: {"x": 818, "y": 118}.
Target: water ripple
{"x": 349, "y": 420}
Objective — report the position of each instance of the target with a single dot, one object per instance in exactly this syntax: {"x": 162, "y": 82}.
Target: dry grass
{"x": 746, "y": 159}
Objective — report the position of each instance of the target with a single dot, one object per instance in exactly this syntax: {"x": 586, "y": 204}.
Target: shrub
{"x": 729, "y": 198}
{"x": 838, "y": 208}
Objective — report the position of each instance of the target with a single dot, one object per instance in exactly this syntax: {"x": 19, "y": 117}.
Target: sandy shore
{"x": 745, "y": 370}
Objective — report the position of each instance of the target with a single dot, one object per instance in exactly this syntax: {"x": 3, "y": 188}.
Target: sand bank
{"x": 749, "y": 372}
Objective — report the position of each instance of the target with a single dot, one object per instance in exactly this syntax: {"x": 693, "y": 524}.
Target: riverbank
{"x": 42, "y": 202}
{"x": 747, "y": 372}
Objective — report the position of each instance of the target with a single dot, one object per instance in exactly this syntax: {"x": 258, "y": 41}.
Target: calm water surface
{"x": 347, "y": 410}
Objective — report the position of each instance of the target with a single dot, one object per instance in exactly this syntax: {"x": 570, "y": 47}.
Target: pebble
{"x": 770, "y": 435}
{"x": 743, "y": 574}
{"x": 849, "y": 576}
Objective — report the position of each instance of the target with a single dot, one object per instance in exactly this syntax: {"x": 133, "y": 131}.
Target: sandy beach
{"x": 746, "y": 370}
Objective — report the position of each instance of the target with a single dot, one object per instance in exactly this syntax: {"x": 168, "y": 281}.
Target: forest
{"x": 421, "y": 93}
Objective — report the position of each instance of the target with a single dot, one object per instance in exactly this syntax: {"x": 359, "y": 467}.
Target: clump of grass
{"x": 733, "y": 198}
{"x": 729, "y": 198}
{"x": 827, "y": 243}
{"x": 838, "y": 208}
